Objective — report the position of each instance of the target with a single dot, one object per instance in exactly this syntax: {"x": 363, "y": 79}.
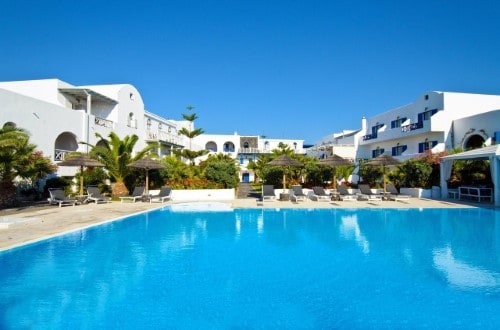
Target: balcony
{"x": 60, "y": 154}
{"x": 103, "y": 122}
{"x": 369, "y": 137}
{"x": 412, "y": 127}
{"x": 162, "y": 136}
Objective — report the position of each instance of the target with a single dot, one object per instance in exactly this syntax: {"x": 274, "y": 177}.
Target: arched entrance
{"x": 474, "y": 142}
{"x": 245, "y": 177}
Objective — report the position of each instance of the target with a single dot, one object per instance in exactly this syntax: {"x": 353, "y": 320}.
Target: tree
{"x": 190, "y": 154}
{"x": 222, "y": 169}
{"x": 116, "y": 154}
{"x": 18, "y": 159}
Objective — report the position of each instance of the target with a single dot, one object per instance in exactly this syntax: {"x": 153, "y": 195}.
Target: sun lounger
{"x": 96, "y": 196}
{"x": 319, "y": 194}
{"x": 394, "y": 194}
{"x": 268, "y": 193}
{"x": 296, "y": 194}
{"x": 57, "y": 196}
{"x": 366, "y": 194}
{"x": 136, "y": 194}
{"x": 164, "y": 194}
{"x": 344, "y": 194}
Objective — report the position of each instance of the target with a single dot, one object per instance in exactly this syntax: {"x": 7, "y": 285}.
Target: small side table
{"x": 284, "y": 197}
{"x": 82, "y": 199}
{"x": 453, "y": 193}
{"x": 335, "y": 196}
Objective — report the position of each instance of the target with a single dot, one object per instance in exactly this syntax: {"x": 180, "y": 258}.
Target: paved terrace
{"x": 26, "y": 225}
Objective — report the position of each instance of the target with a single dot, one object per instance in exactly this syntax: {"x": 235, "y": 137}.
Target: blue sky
{"x": 284, "y": 69}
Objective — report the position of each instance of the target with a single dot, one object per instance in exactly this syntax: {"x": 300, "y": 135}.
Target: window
{"x": 266, "y": 145}
{"x": 426, "y": 145}
{"x": 398, "y": 122}
{"x": 426, "y": 115}
{"x": 377, "y": 152}
{"x": 375, "y": 130}
{"x": 246, "y": 145}
{"x": 426, "y": 97}
{"x": 148, "y": 123}
{"x": 398, "y": 150}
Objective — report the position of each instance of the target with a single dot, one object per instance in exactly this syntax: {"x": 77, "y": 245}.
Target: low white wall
{"x": 202, "y": 195}
{"x": 416, "y": 192}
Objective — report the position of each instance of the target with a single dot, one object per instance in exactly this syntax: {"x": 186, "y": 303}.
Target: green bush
{"x": 413, "y": 173}
{"x": 222, "y": 172}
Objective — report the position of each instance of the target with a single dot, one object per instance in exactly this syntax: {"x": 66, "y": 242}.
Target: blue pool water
{"x": 336, "y": 268}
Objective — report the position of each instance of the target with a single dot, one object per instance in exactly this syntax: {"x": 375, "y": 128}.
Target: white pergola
{"x": 491, "y": 153}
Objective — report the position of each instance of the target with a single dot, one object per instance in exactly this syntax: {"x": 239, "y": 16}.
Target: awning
{"x": 491, "y": 153}
{"x": 83, "y": 92}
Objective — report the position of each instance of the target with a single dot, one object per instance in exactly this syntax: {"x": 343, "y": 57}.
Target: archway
{"x": 64, "y": 144}
{"x": 212, "y": 146}
{"x": 473, "y": 142}
{"x": 229, "y": 147}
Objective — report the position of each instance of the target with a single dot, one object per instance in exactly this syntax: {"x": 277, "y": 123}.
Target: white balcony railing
{"x": 103, "y": 122}
{"x": 60, "y": 154}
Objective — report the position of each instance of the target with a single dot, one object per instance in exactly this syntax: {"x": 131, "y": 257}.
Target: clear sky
{"x": 284, "y": 69}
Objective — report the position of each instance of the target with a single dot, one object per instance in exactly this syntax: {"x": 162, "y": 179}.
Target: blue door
{"x": 246, "y": 177}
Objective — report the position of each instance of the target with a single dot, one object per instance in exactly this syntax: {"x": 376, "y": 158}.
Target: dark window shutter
{"x": 421, "y": 147}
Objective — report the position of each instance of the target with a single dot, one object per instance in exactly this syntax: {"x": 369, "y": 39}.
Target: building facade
{"x": 435, "y": 122}
{"x": 243, "y": 148}
{"x": 63, "y": 118}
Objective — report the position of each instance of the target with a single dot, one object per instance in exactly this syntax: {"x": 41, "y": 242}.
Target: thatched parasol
{"x": 147, "y": 164}
{"x": 285, "y": 161}
{"x": 80, "y": 160}
{"x": 383, "y": 160}
{"x": 334, "y": 161}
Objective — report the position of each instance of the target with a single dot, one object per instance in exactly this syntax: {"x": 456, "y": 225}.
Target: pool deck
{"x": 27, "y": 225}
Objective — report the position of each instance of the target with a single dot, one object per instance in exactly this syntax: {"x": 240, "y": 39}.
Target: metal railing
{"x": 103, "y": 122}
{"x": 412, "y": 127}
{"x": 60, "y": 154}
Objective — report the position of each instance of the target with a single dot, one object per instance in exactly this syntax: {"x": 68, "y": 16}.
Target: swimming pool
{"x": 262, "y": 268}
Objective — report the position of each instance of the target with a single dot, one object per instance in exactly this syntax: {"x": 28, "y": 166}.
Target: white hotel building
{"x": 59, "y": 116}
{"x": 436, "y": 121}
{"x": 244, "y": 148}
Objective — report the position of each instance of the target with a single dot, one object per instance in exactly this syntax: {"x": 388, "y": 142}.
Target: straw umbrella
{"x": 383, "y": 161}
{"x": 285, "y": 161}
{"x": 147, "y": 164}
{"x": 334, "y": 161}
{"x": 80, "y": 160}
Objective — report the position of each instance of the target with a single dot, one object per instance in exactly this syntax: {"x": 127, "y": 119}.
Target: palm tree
{"x": 116, "y": 154}
{"x": 15, "y": 154}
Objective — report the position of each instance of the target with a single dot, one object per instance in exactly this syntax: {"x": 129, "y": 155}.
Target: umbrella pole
{"x": 284, "y": 181}
{"x": 81, "y": 180}
{"x": 147, "y": 182}
{"x": 383, "y": 178}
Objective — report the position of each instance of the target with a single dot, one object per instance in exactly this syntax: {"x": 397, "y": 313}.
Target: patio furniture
{"x": 344, "y": 194}
{"x": 297, "y": 194}
{"x": 138, "y": 193}
{"x": 394, "y": 194}
{"x": 94, "y": 195}
{"x": 268, "y": 193}
{"x": 57, "y": 196}
{"x": 164, "y": 194}
{"x": 319, "y": 194}
{"x": 366, "y": 194}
